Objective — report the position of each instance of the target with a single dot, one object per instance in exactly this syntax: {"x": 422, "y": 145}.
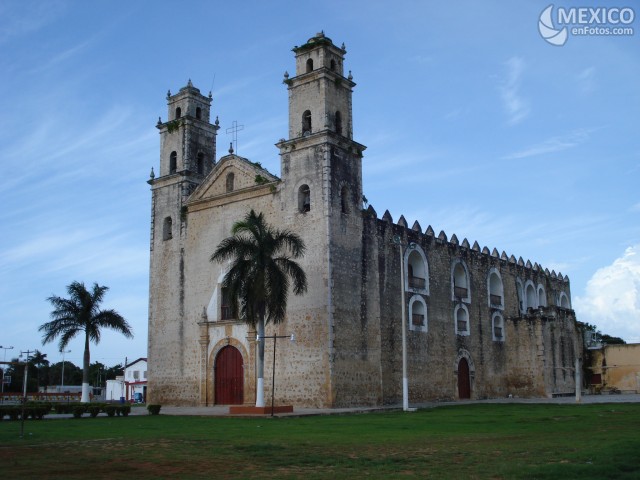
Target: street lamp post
{"x": 4, "y": 359}
{"x": 273, "y": 367}
{"x": 63, "y": 352}
{"x": 405, "y": 381}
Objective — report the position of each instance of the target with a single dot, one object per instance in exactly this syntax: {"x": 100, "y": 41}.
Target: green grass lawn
{"x": 465, "y": 441}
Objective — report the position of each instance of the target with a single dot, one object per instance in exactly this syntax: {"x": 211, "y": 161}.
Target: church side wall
{"x": 535, "y": 357}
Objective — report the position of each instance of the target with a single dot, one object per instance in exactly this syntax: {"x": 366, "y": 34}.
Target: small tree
{"x": 81, "y": 313}
{"x": 258, "y": 278}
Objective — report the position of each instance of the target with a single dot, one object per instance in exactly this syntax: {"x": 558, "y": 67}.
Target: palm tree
{"x": 258, "y": 278}
{"x": 39, "y": 360}
{"x": 81, "y": 313}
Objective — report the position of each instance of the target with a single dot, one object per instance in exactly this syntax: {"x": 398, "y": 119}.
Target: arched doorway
{"x": 229, "y": 377}
{"x": 464, "y": 382}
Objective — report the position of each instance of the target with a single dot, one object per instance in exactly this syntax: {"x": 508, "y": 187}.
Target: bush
{"x": 110, "y": 410}
{"x": 78, "y": 411}
{"x": 154, "y": 409}
{"x": 124, "y": 410}
{"x": 94, "y": 410}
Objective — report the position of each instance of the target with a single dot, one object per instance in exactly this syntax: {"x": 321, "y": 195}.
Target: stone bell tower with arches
{"x": 321, "y": 171}
{"x": 187, "y": 156}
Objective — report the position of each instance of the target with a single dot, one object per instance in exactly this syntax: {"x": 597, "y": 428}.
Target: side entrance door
{"x": 464, "y": 383}
{"x": 229, "y": 377}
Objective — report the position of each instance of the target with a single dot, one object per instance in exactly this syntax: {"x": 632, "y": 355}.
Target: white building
{"x": 132, "y": 386}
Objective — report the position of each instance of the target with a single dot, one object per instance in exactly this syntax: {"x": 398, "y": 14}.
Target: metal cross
{"x": 233, "y": 130}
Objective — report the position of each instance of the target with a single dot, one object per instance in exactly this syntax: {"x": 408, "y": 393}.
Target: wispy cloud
{"x": 551, "y": 145}
{"x": 586, "y": 80}
{"x": 22, "y": 18}
{"x": 515, "y": 105}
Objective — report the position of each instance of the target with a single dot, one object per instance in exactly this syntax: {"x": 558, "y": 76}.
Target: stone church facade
{"x": 480, "y": 324}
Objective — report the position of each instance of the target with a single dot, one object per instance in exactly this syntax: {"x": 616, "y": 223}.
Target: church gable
{"x": 230, "y": 175}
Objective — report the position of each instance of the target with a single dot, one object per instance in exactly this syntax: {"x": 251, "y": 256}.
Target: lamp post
{"x": 397, "y": 240}
{"x": 62, "y": 379}
{"x": 24, "y": 388}
{"x": 4, "y": 359}
{"x": 273, "y": 367}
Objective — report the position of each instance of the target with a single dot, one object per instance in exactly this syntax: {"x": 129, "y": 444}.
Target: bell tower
{"x": 187, "y": 156}
{"x": 320, "y": 148}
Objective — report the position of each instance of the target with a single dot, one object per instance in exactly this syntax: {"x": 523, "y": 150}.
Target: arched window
{"x": 564, "y": 301}
{"x": 332, "y": 65}
{"x": 306, "y": 122}
{"x": 417, "y": 314}
{"x": 416, "y": 270}
{"x": 520, "y": 292}
{"x": 542, "y": 297}
{"x": 304, "y": 199}
{"x": 497, "y": 327}
{"x": 167, "y": 227}
{"x": 495, "y": 289}
{"x": 530, "y": 295}
{"x": 460, "y": 282}
{"x": 198, "y": 113}
{"x": 178, "y": 112}
{"x": 200, "y": 163}
{"x": 461, "y": 319}
{"x": 344, "y": 199}
{"x": 173, "y": 162}
{"x": 229, "y": 182}
{"x": 338, "y": 123}
{"x": 309, "y": 65}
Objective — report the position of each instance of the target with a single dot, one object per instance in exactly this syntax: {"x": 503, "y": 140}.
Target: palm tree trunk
{"x": 260, "y": 365}
{"x": 85, "y": 371}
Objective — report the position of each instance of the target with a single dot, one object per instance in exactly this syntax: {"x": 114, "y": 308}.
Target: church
{"x": 469, "y": 322}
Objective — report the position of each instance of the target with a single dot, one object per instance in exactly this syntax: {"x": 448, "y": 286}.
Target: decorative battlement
{"x": 454, "y": 242}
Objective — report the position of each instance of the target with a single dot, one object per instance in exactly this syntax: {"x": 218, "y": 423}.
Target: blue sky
{"x": 474, "y": 125}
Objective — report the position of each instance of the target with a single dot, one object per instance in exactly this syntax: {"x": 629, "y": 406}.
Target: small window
{"x": 497, "y": 324}
{"x": 144, "y": 374}
{"x": 304, "y": 199}
{"x": 564, "y": 300}
{"x": 173, "y": 162}
{"x": 344, "y": 198}
{"x": 178, "y": 112}
{"x": 338, "y": 123}
{"x": 225, "y": 305}
{"x": 531, "y": 296}
{"x": 198, "y": 113}
{"x": 306, "y": 122}
{"x": 230, "y": 180}
{"x": 310, "y": 65}
{"x": 495, "y": 289}
{"x": 460, "y": 282}
{"x": 167, "y": 227}
{"x": 136, "y": 375}
{"x": 417, "y": 314}
{"x": 200, "y": 163}
{"x": 417, "y": 273}
{"x": 542, "y": 297}
{"x": 333, "y": 65}
{"x": 461, "y": 318}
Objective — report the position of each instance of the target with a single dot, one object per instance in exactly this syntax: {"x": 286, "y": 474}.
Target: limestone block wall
{"x": 535, "y": 357}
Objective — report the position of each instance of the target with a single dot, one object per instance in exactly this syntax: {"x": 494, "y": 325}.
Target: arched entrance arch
{"x": 465, "y": 372}
{"x": 229, "y": 376}
{"x": 464, "y": 381}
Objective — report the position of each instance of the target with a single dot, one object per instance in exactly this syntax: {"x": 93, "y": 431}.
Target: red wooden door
{"x": 229, "y": 377}
{"x": 464, "y": 384}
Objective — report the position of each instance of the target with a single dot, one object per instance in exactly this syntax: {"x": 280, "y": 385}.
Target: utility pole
{"x": 62, "y": 379}
{"x": 4, "y": 359}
